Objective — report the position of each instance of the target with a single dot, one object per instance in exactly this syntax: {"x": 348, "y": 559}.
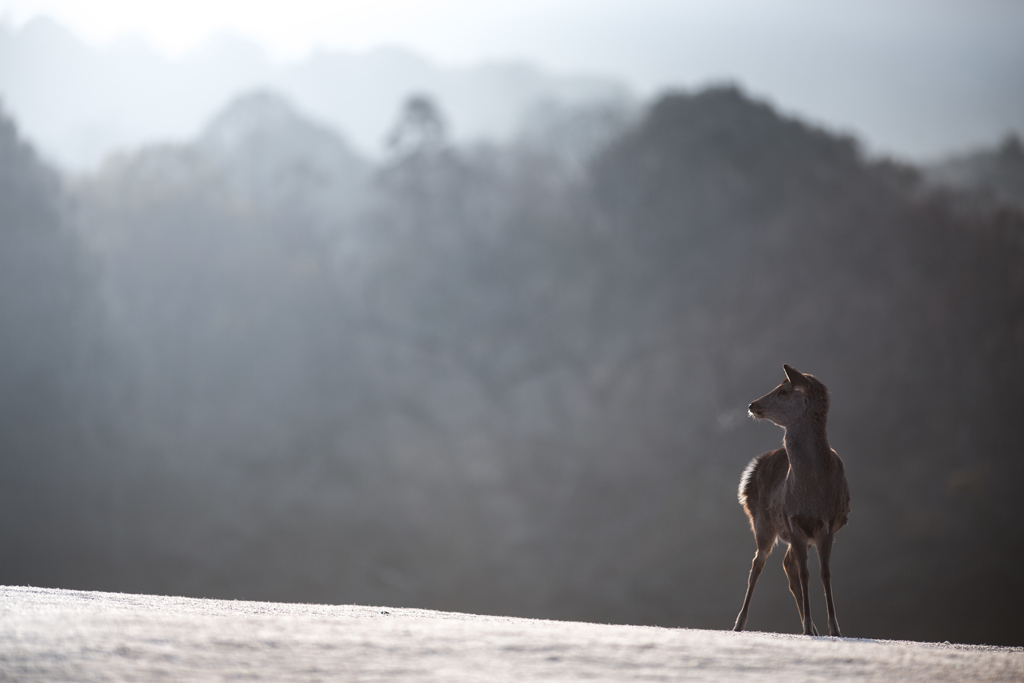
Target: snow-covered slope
{"x": 56, "y": 635}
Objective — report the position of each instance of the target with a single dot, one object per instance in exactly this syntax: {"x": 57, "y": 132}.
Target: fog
{"x": 504, "y": 369}
{"x": 917, "y": 80}
{"x": 82, "y": 104}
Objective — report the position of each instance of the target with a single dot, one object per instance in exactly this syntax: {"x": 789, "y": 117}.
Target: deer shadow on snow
{"x": 797, "y": 493}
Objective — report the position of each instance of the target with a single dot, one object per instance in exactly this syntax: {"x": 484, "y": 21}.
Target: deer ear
{"x": 794, "y": 376}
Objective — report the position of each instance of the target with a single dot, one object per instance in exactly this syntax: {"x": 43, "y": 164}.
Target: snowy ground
{"x": 59, "y": 635}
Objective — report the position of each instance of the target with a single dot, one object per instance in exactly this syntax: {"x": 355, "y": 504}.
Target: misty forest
{"x": 512, "y": 377}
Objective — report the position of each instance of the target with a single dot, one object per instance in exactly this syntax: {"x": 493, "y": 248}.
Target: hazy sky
{"x": 915, "y": 77}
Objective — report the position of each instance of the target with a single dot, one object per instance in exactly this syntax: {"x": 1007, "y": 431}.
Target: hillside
{"x": 511, "y": 379}
{"x": 69, "y": 635}
{"x": 997, "y": 174}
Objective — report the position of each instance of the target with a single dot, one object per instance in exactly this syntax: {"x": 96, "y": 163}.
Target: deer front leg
{"x": 824, "y": 543}
{"x": 798, "y": 547}
{"x": 755, "y": 571}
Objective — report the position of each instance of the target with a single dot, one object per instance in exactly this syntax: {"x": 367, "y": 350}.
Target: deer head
{"x": 789, "y": 402}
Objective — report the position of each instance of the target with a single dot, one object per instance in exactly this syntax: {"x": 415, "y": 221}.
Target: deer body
{"x": 797, "y": 493}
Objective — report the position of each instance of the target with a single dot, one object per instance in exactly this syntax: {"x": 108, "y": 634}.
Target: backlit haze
{"x": 460, "y": 305}
{"x": 918, "y": 80}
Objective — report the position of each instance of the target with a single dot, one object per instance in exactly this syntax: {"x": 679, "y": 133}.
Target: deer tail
{"x": 756, "y": 471}
{"x": 747, "y": 489}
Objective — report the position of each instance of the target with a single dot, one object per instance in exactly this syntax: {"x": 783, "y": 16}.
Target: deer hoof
{"x": 741, "y": 622}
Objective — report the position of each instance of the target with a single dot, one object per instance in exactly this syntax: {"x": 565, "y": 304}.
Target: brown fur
{"x": 797, "y": 493}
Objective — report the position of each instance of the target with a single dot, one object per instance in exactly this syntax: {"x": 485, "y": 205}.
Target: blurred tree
{"x": 420, "y": 128}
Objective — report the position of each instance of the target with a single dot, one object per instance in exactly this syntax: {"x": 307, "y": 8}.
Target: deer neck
{"x": 806, "y": 445}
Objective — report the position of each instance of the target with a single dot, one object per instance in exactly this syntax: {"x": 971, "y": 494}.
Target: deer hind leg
{"x": 793, "y": 574}
{"x": 795, "y": 564}
{"x": 764, "y": 549}
{"x": 824, "y": 543}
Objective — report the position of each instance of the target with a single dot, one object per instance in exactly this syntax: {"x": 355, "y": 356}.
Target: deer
{"x": 797, "y": 493}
